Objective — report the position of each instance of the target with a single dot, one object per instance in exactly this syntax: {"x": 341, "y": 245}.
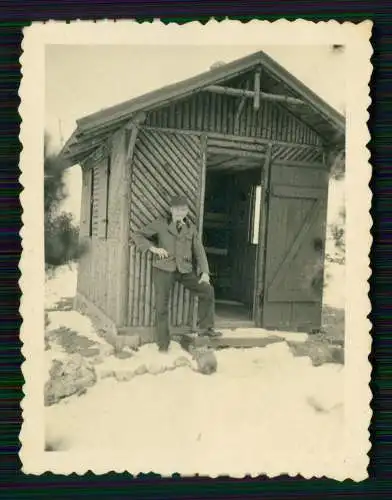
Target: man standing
{"x": 177, "y": 245}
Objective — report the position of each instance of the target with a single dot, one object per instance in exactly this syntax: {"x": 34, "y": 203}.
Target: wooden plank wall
{"x": 208, "y": 112}
{"x": 164, "y": 165}
{"x": 98, "y": 271}
{"x": 96, "y": 185}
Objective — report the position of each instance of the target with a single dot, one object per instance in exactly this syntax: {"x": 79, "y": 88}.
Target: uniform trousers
{"x": 163, "y": 284}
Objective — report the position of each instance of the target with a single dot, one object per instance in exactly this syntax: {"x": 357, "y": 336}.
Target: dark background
{"x": 14, "y": 15}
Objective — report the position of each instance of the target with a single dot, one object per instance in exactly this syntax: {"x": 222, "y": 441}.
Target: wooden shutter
{"x": 294, "y": 263}
{"x": 85, "y": 212}
{"x": 103, "y": 198}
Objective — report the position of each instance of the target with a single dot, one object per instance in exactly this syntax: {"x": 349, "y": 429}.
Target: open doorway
{"x": 230, "y": 235}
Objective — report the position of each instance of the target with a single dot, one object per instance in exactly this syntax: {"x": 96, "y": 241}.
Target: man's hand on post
{"x": 160, "y": 252}
{"x": 204, "y": 278}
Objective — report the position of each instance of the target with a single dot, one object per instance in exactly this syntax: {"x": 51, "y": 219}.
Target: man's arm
{"x": 143, "y": 237}
{"x": 200, "y": 254}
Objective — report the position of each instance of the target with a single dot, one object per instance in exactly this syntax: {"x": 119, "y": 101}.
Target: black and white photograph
{"x": 201, "y": 256}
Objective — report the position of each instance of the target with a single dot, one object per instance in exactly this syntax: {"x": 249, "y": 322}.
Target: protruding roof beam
{"x": 217, "y": 89}
{"x": 256, "y": 98}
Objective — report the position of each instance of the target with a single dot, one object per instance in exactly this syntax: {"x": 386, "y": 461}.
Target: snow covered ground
{"x": 262, "y": 402}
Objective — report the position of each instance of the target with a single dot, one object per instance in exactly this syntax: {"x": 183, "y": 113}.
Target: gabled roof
{"x": 315, "y": 112}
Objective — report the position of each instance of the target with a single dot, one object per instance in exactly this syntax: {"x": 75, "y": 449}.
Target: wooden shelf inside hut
{"x": 216, "y": 234}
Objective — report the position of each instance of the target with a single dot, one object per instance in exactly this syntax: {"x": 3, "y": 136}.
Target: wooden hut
{"x": 251, "y": 147}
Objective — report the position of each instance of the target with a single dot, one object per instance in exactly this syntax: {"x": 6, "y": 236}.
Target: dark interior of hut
{"x": 230, "y": 236}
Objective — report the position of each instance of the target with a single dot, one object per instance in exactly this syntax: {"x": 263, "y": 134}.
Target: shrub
{"x": 61, "y": 234}
{"x": 61, "y": 240}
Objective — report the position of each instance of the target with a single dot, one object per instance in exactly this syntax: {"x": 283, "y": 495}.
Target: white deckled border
{"x": 356, "y": 38}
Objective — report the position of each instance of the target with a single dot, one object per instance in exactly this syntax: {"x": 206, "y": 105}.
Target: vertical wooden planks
{"x": 126, "y": 197}
{"x": 136, "y": 291}
{"x": 142, "y": 294}
{"x": 263, "y": 234}
{"x": 148, "y": 291}
{"x": 131, "y": 284}
{"x": 104, "y": 177}
{"x": 85, "y": 209}
{"x": 204, "y": 111}
{"x": 200, "y": 207}
{"x": 96, "y": 173}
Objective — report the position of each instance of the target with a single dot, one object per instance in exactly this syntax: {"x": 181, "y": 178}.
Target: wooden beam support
{"x": 228, "y": 161}
{"x": 256, "y": 101}
{"x": 235, "y": 152}
{"x": 80, "y": 150}
{"x": 251, "y": 93}
{"x": 221, "y": 143}
{"x": 200, "y": 208}
{"x": 122, "y": 311}
{"x": 137, "y": 119}
{"x": 232, "y": 137}
{"x": 236, "y": 167}
{"x": 258, "y": 298}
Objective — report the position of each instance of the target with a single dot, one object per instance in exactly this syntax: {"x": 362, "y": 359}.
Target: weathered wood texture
{"x": 99, "y": 274}
{"x": 259, "y": 275}
{"x": 164, "y": 165}
{"x": 99, "y": 269}
{"x": 209, "y": 112}
{"x": 115, "y": 186}
{"x": 295, "y": 248}
{"x": 85, "y": 205}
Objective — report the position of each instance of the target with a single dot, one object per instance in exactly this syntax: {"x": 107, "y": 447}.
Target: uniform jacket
{"x": 185, "y": 248}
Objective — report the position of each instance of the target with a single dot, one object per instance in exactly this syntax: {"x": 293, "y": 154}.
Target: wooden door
{"x": 294, "y": 257}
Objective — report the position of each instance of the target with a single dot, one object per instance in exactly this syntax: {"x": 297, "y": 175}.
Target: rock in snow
{"x": 66, "y": 377}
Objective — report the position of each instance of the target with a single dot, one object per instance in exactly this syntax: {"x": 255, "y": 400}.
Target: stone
{"x": 205, "y": 359}
{"x": 124, "y": 376}
{"x": 132, "y": 342}
{"x": 337, "y": 355}
{"x": 181, "y": 362}
{"x": 67, "y": 377}
{"x": 97, "y": 360}
{"x": 89, "y": 352}
{"x": 141, "y": 370}
{"x": 122, "y": 342}
{"x": 123, "y": 354}
{"x": 155, "y": 369}
{"x": 320, "y": 354}
{"x": 105, "y": 373}
{"x": 106, "y": 349}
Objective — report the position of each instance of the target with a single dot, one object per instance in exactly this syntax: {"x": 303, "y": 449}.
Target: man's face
{"x": 179, "y": 212}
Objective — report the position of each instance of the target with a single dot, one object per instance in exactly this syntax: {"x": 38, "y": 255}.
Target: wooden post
{"x": 261, "y": 248}
{"x": 200, "y": 209}
{"x": 238, "y": 115}
{"x": 256, "y": 101}
{"x": 123, "y": 297}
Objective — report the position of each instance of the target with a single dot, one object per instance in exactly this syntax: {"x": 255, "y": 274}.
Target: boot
{"x": 210, "y": 332}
